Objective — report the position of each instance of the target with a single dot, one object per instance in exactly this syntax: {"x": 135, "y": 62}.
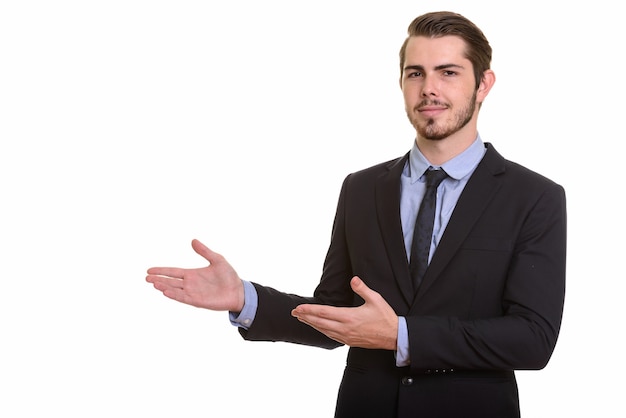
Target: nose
{"x": 429, "y": 87}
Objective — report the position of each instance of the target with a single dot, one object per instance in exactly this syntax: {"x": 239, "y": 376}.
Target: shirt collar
{"x": 457, "y": 167}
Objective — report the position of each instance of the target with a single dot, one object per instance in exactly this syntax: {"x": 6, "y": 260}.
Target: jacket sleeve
{"x": 273, "y": 320}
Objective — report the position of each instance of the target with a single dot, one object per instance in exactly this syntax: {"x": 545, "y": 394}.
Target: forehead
{"x": 425, "y": 51}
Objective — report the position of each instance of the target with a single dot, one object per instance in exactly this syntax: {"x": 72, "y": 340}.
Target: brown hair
{"x": 438, "y": 24}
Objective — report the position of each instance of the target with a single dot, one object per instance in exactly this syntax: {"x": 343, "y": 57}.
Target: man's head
{"x": 445, "y": 77}
{"x": 438, "y": 24}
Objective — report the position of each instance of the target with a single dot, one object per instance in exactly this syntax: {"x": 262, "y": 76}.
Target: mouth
{"x": 431, "y": 108}
{"x": 431, "y": 111}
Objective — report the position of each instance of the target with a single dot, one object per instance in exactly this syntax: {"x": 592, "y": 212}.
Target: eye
{"x": 414, "y": 74}
{"x": 449, "y": 73}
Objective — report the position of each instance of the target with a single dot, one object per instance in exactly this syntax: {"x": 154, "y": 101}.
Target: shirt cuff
{"x": 245, "y": 318}
{"x": 402, "y": 349}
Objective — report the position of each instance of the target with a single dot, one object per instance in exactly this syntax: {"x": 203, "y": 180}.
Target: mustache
{"x": 428, "y": 102}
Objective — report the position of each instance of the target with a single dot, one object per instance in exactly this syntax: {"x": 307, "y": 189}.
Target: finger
{"x": 167, "y": 271}
{"x": 330, "y": 329}
{"x": 361, "y": 289}
{"x": 319, "y": 313}
{"x": 320, "y": 323}
{"x": 305, "y": 309}
{"x": 175, "y": 294}
{"x": 205, "y": 252}
{"x": 162, "y": 282}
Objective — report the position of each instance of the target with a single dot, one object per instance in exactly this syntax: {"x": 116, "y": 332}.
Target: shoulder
{"x": 514, "y": 173}
{"x": 381, "y": 169}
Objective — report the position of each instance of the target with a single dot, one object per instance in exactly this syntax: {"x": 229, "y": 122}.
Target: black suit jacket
{"x": 490, "y": 302}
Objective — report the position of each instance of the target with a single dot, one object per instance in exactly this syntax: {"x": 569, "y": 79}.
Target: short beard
{"x": 435, "y": 132}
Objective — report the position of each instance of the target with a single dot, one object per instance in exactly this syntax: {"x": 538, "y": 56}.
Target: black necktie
{"x": 422, "y": 235}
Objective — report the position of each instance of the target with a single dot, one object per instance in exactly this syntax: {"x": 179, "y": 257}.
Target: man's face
{"x": 439, "y": 87}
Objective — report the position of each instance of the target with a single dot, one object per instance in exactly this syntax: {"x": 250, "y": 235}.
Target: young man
{"x": 436, "y": 330}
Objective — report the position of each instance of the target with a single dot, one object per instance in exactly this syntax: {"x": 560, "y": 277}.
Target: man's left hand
{"x": 372, "y": 325}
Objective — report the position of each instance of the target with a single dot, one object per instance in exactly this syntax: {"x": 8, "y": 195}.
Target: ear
{"x": 486, "y": 83}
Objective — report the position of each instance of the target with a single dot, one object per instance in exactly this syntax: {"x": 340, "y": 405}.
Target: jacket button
{"x": 407, "y": 381}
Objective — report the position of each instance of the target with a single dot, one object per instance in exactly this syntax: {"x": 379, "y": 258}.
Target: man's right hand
{"x": 216, "y": 287}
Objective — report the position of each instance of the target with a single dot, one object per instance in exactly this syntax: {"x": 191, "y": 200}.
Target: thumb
{"x": 204, "y": 251}
{"x": 361, "y": 289}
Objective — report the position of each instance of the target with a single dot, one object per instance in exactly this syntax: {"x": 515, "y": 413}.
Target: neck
{"x": 441, "y": 150}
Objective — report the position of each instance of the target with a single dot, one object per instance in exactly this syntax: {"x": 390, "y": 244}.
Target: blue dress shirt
{"x": 413, "y": 187}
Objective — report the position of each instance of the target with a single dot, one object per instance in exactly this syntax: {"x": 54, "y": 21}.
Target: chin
{"x": 429, "y": 131}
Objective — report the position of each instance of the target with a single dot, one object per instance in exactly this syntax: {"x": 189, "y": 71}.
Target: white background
{"x": 128, "y": 128}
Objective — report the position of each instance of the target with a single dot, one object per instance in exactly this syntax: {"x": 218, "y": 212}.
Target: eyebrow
{"x": 437, "y": 68}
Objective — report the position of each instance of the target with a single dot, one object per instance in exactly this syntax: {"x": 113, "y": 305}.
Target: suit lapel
{"x": 388, "y": 212}
{"x": 477, "y": 194}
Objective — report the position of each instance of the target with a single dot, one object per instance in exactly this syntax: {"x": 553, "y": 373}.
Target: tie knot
{"x": 435, "y": 177}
